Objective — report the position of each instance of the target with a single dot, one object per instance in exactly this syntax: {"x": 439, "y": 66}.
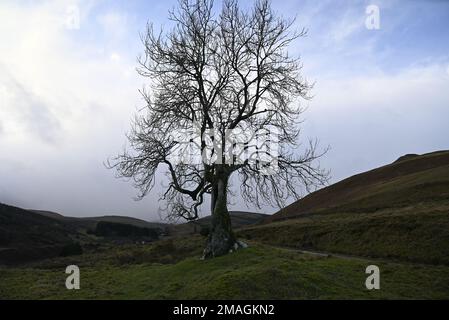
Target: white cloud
{"x": 25, "y": 113}
{"x": 344, "y": 27}
{"x": 114, "y": 57}
{"x": 64, "y": 109}
{"x": 114, "y": 24}
{"x": 67, "y": 94}
{"x": 370, "y": 120}
{"x": 48, "y": 64}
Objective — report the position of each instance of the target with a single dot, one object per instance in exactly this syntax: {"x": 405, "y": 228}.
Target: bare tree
{"x": 214, "y": 74}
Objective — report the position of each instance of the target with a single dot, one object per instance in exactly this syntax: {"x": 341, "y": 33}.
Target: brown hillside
{"x": 360, "y": 185}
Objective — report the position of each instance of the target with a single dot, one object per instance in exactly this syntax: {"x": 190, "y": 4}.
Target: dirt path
{"x": 326, "y": 254}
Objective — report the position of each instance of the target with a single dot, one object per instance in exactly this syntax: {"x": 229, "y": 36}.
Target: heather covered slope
{"x": 29, "y": 235}
{"x": 25, "y": 235}
{"x": 418, "y": 234}
{"x": 399, "y": 211}
{"x": 411, "y": 179}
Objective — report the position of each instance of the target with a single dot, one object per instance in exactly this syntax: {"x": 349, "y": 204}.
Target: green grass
{"x": 258, "y": 272}
{"x": 418, "y": 233}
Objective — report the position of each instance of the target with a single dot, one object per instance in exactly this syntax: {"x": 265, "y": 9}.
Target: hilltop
{"x": 410, "y": 179}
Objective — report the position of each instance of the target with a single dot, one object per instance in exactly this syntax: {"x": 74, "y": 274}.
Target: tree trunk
{"x": 221, "y": 239}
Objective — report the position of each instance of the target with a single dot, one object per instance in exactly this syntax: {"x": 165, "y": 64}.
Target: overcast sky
{"x": 68, "y": 89}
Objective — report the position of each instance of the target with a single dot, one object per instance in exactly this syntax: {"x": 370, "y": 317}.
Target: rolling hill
{"x": 410, "y": 179}
{"x": 90, "y": 222}
{"x": 239, "y": 219}
{"x": 399, "y": 211}
{"x": 25, "y": 235}
{"x": 28, "y": 235}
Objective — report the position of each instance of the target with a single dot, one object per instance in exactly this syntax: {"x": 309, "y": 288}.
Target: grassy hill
{"x": 28, "y": 235}
{"x": 25, "y": 235}
{"x": 239, "y": 219}
{"x": 399, "y": 211}
{"x": 410, "y": 179}
{"x": 90, "y": 222}
{"x": 128, "y": 220}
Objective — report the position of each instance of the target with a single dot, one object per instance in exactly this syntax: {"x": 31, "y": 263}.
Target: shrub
{"x": 113, "y": 229}
{"x": 205, "y": 230}
{"x": 71, "y": 249}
